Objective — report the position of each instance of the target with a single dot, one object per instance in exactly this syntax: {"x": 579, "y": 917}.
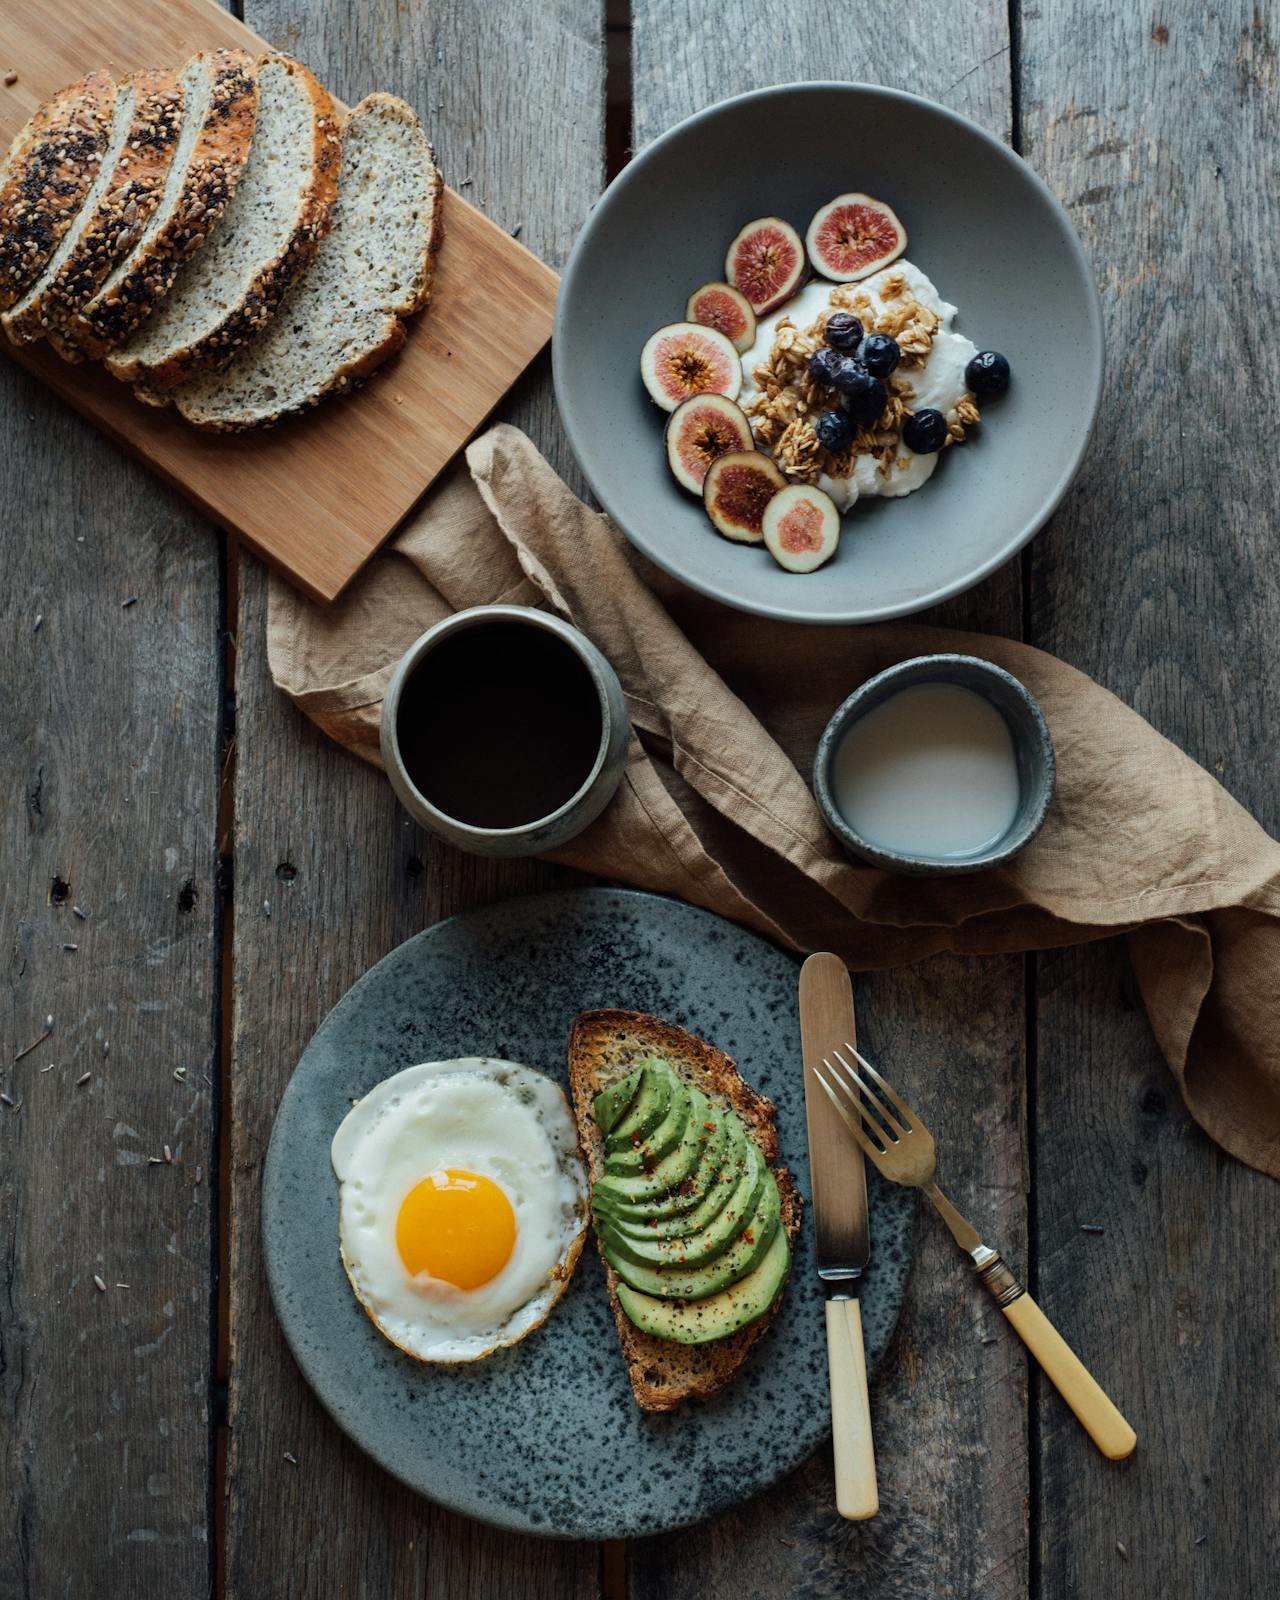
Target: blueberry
{"x": 843, "y": 330}
{"x": 848, "y": 374}
{"x": 879, "y": 354}
{"x": 987, "y": 373}
{"x": 822, "y": 365}
{"x": 834, "y": 430}
{"x": 925, "y": 431}
{"x": 865, "y": 397}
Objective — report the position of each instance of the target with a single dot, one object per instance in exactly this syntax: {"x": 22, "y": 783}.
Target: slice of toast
{"x": 603, "y": 1047}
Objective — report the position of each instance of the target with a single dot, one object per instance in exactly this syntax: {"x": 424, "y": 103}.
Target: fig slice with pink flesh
{"x": 801, "y": 527}
{"x": 853, "y": 236}
{"x": 700, "y": 431}
{"x": 721, "y": 306}
{"x": 683, "y": 359}
{"x": 736, "y": 491}
{"x": 766, "y": 263}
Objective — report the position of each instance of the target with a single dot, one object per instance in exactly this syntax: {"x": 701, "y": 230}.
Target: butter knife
{"x": 839, "y": 1185}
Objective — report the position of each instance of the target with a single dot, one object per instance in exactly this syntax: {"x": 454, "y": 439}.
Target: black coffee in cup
{"x": 499, "y": 724}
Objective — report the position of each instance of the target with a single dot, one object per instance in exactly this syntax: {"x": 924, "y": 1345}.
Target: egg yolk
{"x": 456, "y": 1226}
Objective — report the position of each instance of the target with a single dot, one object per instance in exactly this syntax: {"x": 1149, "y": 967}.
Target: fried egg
{"x": 462, "y": 1204}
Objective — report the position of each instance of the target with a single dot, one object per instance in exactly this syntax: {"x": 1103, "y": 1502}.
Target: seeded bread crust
{"x": 120, "y": 213}
{"x": 604, "y": 1046}
{"x": 260, "y": 300}
{"x": 209, "y": 401}
{"x": 208, "y": 183}
{"x": 46, "y": 176}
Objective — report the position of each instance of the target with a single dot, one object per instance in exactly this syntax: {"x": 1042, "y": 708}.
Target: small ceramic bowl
{"x": 582, "y": 808}
{"x": 1032, "y": 748}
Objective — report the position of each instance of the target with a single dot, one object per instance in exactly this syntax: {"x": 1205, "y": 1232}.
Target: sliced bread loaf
{"x": 144, "y": 132}
{"x": 46, "y": 176}
{"x": 604, "y": 1047}
{"x": 220, "y": 101}
{"x": 268, "y": 233}
{"x": 342, "y": 317}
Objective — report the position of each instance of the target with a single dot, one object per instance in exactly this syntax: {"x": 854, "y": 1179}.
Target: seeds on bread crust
{"x": 221, "y": 102}
{"x": 268, "y": 234}
{"x": 46, "y": 176}
{"x": 116, "y": 210}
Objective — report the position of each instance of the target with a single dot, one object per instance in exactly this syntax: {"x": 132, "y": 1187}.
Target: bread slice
{"x": 46, "y": 176}
{"x": 144, "y": 132}
{"x": 269, "y": 232}
{"x": 343, "y": 316}
{"x": 605, "y": 1046}
{"x": 220, "y": 102}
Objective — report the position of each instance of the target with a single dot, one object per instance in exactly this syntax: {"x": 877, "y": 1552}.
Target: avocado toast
{"x": 694, "y": 1217}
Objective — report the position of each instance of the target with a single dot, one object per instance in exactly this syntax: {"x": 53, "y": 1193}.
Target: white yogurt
{"x": 930, "y": 772}
{"x": 939, "y": 382}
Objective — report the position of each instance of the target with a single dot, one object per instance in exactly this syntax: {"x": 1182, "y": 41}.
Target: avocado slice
{"x": 658, "y": 1088}
{"x": 675, "y": 1169}
{"x": 680, "y": 1181}
{"x": 639, "y": 1222}
{"x": 691, "y": 1280}
{"x": 642, "y": 1154}
{"x": 698, "y": 1321}
{"x": 695, "y": 1249}
{"x": 610, "y": 1104}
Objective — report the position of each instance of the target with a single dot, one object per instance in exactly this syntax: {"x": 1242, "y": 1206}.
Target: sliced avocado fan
{"x": 687, "y": 1209}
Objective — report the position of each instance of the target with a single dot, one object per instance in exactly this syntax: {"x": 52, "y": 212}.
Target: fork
{"x": 900, "y": 1145}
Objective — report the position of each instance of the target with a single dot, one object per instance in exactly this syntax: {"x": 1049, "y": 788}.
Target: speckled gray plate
{"x": 981, "y": 224}
{"x": 545, "y": 1437}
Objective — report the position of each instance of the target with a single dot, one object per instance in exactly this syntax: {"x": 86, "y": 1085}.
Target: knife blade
{"x": 838, "y": 1187}
{"x": 838, "y": 1171}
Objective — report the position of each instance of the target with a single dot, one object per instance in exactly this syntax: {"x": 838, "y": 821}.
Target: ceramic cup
{"x": 1032, "y": 747}
{"x": 580, "y": 809}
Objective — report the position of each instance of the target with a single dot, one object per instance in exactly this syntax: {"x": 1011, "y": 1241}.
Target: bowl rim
{"x": 1095, "y": 342}
{"x": 958, "y": 669}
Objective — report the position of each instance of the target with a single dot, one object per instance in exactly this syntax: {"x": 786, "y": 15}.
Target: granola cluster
{"x": 789, "y": 400}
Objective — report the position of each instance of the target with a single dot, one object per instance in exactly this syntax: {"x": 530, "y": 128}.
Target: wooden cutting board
{"x": 318, "y": 495}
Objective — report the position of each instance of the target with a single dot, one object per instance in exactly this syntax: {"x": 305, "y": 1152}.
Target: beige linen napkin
{"x": 715, "y": 805}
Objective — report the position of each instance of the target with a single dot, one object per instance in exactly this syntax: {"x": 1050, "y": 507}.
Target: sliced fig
{"x": 801, "y": 527}
{"x": 766, "y": 263}
{"x": 702, "y": 430}
{"x": 683, "y": 359}
{"x": 854, "y": 236}
{"x": 737, "y": 490}
{"x": 721, "y": 306}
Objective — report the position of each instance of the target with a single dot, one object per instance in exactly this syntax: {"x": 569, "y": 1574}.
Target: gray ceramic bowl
{"x": 981, "y": 224}
{"x": 1032, "y": 747}
{"x": 580, "y": 809}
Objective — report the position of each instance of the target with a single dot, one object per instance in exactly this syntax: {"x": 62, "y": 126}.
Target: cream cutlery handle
{"x": 1071, "y": 1378}
{"x": 856, "y": 1493}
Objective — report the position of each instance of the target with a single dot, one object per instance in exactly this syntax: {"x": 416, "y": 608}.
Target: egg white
{"x": 497, "y": 1118}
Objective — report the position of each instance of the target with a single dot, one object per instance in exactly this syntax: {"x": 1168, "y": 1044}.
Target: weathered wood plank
{"x": 320, "y": 839}
{"x": 949, "y": 1411}
{"x": 1158, "y": 578}
{"x": 109, "y": 749}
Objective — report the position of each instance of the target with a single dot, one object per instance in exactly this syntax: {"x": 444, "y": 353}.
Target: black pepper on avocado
{"x": 687, "y": 1210}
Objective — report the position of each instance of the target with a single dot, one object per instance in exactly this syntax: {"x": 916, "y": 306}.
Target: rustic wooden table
{"x": 237, "y": 873}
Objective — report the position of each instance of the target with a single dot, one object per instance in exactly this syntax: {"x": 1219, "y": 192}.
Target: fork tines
{"x": 873, "y": 1135}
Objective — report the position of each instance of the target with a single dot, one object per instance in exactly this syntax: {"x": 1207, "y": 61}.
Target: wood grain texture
{"x": 949, "y": 1411}
{"x": 317, "y": 495}
{"x": 1158, "y": 577}
{"x": 321, "y": 841}
{"x": 109, "y": 750}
